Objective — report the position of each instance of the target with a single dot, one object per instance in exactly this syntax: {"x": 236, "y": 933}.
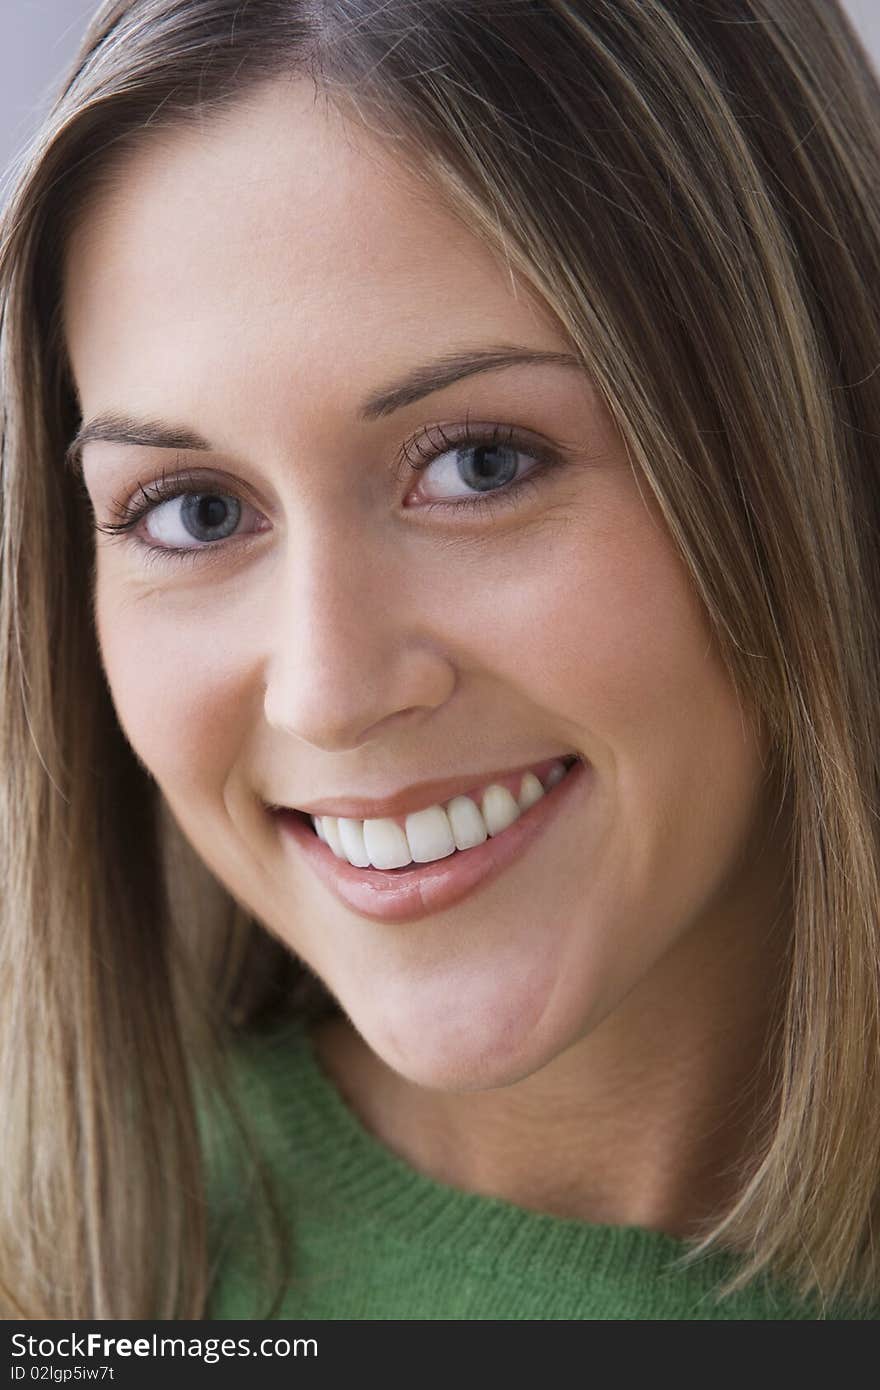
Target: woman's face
{"x": 351, "y": 628}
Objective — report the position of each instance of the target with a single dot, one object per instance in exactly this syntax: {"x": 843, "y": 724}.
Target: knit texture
{"x": 371, "y": 1238}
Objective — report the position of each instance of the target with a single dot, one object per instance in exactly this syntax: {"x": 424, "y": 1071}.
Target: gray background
{"x": 39, "y": 37}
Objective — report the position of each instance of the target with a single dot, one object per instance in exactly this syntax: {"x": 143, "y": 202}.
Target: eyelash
{"x": 164, "y": 489}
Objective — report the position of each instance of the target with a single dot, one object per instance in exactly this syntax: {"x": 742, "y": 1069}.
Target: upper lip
{"x": 414, "y": 798}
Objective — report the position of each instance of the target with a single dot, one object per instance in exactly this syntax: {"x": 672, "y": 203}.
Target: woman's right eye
{"x": 194, "y": 518}
{"x": 178, "y": 518}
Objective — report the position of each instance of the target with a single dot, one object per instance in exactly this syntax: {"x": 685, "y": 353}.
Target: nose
{"x": 350, "y": 645}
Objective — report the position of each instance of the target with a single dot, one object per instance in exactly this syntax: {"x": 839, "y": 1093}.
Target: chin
{"x": 463, "y": 1040}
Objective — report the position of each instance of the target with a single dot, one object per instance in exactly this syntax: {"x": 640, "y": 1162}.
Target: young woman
{"x": 441, "y": 665}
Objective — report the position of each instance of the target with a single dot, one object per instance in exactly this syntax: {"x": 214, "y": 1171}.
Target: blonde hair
{"x": 694, "y": 191}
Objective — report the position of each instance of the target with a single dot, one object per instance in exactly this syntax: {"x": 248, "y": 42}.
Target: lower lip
{"x": 407, "y": 895}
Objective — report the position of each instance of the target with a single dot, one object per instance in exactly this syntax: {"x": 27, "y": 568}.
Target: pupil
{"x": 211, "y": 511}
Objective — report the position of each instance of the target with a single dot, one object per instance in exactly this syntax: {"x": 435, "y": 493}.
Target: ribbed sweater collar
{"x": 333, "y": 1159}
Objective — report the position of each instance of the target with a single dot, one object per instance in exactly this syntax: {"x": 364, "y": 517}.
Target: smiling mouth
{"x": 406, "y": 845}
{"x": 415, "y": 890}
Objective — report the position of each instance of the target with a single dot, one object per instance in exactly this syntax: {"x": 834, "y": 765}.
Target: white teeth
{"x": 351, "y": 833}
{"x": 468, "y": 826}
{"x": 331, "y": 830}
{"x": 435, "y": 832}
{"x": 530, "y": 791}
{"x": 386, "y": 844}
{"x": 429, "y": 834}
{"x": 500, "y": 809}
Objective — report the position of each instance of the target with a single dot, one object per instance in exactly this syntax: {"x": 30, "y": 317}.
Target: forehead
{"x": 281, "y": 233}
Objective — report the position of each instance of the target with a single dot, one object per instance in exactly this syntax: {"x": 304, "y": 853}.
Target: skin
{"x": 583, "y": 1035}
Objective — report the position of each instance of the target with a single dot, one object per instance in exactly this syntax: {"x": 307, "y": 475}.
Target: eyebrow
{"x": 117, "y": 428}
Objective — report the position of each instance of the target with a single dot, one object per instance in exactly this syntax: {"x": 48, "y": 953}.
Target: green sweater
{"x": 371, "y": 1238}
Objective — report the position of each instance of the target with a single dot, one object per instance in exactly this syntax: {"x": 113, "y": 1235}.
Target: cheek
{"x": 606, "y": 632}
{"x": 172, "y": 684}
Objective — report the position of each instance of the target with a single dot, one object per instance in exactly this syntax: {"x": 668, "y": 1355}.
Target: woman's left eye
{"x": 488, "y": 467}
